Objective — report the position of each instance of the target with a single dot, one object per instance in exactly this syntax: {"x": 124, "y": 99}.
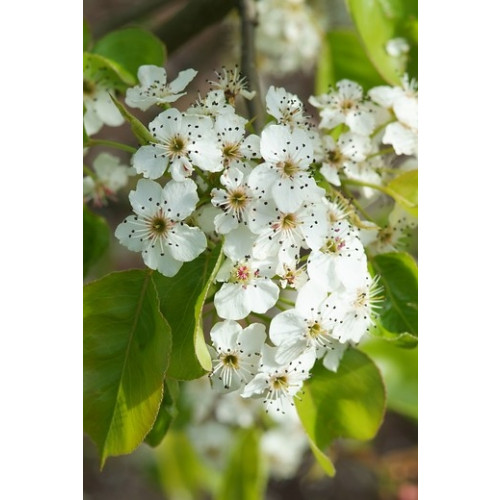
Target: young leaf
{"x": 378, "y": 22}
{"x": 99, "y": 69}
{"x": 343, "y": 56}
{"x": 166, "y": 414}
{"x": 243, "y": 478}
{"x": 131, "y": 48}
{"x": 404, "y": 189}
{"x": 399, "y": 278}
{"x": 399, "y": 368}
{"x": 87, "y": 36}
{"x": 349, "y": 403}
{"x": 137, "y": 127}
{"x": 95, "y": 238}
{"x": 126, "y": 348}
{"x": 181, "y": 301}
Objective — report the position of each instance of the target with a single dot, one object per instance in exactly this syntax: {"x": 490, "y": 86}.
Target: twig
{"x": 248, "y": 16}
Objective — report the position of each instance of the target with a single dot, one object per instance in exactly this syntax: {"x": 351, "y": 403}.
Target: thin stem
{"x": 111, "y": 144}
{"x": 248, "y": 16}
{"x": 357, "y": 204}
{"x": 378, "y": 129}
{"x": 263, "y": 317}
{"x": 355, "y": 182}
{"x": 286, "y": 301}
{"x": 381, "y": 152}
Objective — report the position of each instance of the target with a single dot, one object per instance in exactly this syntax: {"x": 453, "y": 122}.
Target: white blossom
{"x": 309, "y": 325}
{"x": 98, "y": 87}
{"x": 236, "y": 200}
{"x": 354, "y": 309}
{"x": 285, "y": 174}
{"x": 232, "y": 83}
{"x": 247, "y": 287}
{"x": 110, "y": 176}
{"x": 182, "y": 141}
{"x": 235, "y": 354}
{"x": 157, "y": 230}
{"x": 153, "y": 87}
{"x": 278, "y": 383}
{"x": 346, "y": 152}
{"x": 345, "y": 104}
{"x": 285, "y": 107}
{"x": 340, "y": 261}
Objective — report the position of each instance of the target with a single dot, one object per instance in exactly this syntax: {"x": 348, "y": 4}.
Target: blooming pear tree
{"x": 274, "y": 247}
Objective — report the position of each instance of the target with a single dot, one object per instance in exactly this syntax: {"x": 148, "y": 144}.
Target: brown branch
{"x": 248, "y": 16}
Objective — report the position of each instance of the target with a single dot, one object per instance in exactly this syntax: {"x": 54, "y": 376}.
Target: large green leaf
{"x": 400, "y": 370}
{"x": 95, "y": 238}
{"x": 126, "y": 348}
{"x": 343, "y": 56}
{"x": 166, "y": 414}
{"x": 243, "y": 478}
{"x": 349, "y": 403}
{"x": 404, "y": 189}
{"x": 379, "y": 21}
{"x": 131, "y": 48}
{"x": 181, "y": 301}
{"x": 399, "y": 277}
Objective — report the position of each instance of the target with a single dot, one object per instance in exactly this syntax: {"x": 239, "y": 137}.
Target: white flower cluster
{"x": 288, "y": 35}
{"x": 294, "y": 253}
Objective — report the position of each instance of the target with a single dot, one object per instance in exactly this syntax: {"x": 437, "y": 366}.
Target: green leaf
{"x": 399, "y": 277}
{"x": 87, "y": 36}
{"x": 243, "y": 478}
{"x": 137, "y": 127}
{"x": 349, "y": 403}
{"x": 98, "y": 69}
{"x": 181, "y": 301}
{"x": 404, "y": 189}
{"x": 343, "y": 56}
{"x": 405, "y": 339}
{"x": 95, "y": 238}
{"x": 379, "y": 21}
{"x": 180, "y": 472}
{"x": 399, "y": 368}
{"x": 166, "y": 414}
{"x": 131, "y": 48}
{"x": 126, "y": 348}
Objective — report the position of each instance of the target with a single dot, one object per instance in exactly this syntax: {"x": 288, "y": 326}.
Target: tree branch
{"x": 248, "y": 16}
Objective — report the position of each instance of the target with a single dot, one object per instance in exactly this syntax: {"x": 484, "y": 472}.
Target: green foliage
{"x": 139, "y": 130}
{"x": 99, "y": 69}
{"x": 399, "y": 368}
{"x": 87, "y": 36}
{"x": 243, "y": 478}
{"x": 399, "y": 277}
{"x": 95, "y": 238}
{"x": 180, "y": 472}
{"x": 379, "y": 21}
{"x": 131, "y": 48}
{"x": 126, "y": 349}
{"x": 343, "y": 56}
{"x": 404, "y": 189}
{"x": 181, "y": 301}
{"x": 349, "y": 403}
{"x": 166, "y": 413}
